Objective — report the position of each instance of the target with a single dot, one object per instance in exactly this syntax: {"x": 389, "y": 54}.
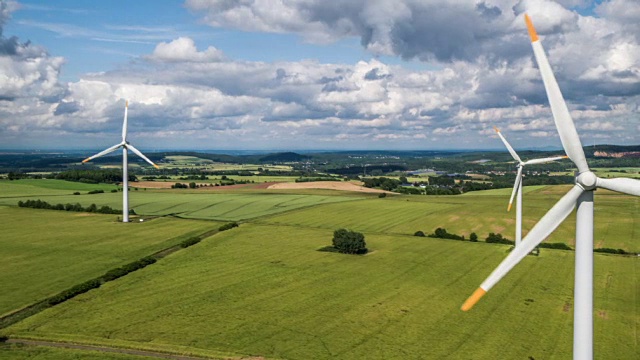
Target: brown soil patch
{"x": 330, "y": 185}
{"x": 603, "y": 314}
{"x": 566, "y": 307}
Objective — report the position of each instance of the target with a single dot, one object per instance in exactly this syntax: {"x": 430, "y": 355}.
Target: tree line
{"x": 93, "y": 208}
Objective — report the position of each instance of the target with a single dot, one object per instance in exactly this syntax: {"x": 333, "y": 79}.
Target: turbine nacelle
{"x": 587, "y": 180}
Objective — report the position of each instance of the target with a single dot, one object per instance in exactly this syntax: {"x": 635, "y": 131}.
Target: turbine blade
{"x": 545, "y": 160}
{"x": 549, "y": 222}
{"x": 137, "y": 152}
{"x": 506, "y": 143}
{"x": 516, "y": 186}
{"x": 621, "y": 185}
{"x": 562, "y": 118}
{"x": 104, "y": 152}
{"x": 124, "y": 123}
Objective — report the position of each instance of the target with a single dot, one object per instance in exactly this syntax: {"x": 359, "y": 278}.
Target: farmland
{"x": 247, "y": 293}
{"x": 263, "y": 289}
{"x": 198, "y": 205}
{"x": 46, "y": 252}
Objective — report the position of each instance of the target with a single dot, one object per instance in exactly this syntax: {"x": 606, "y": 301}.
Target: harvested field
{"x": 331, "y": 185}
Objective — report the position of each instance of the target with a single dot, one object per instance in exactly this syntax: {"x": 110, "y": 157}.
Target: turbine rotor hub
{"x": 587, "y": 180}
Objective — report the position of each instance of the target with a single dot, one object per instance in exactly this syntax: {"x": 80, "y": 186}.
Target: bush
{"x": 442, "y": 233}
{"x": 131, "y": 267}
{"x": 498, "y": 239}
{"x": 228, "y": 226}
{"x": 76, "y": 193}
{"x": 114, "y": 190}
{"x": 95, "y": 192}
{"x": 74, "y": 291}
{"x": 610, "y": 251}
{"x": 473, "y": 237}
{"x": 560, "y": 246}
{"x": 349, "y": 242}
{"x": 189, "y": 242}
{"x": 382, "y": 195}
{"x": 419, "y": 233}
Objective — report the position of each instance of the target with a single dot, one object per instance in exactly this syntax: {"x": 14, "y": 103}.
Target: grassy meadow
{"x": 247, "y": 291}
{"x": 264, "y": 290}
{"x": 45, "y": 252}
{"x": 194, "y": 204}
{"x": 482, "y": 212}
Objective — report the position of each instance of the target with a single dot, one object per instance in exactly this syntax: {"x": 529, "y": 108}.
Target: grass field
{"x": 32, "y": 187}
{"x": 45, "y": 252}
{"x": 223, "y": 206}
{"x": 617, "y": 216}
{"x": 265, "y": 290}
{"x": 18, "y": 352}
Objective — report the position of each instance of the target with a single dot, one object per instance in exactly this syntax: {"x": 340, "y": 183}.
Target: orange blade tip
{"x": 565, "y": 157}
{"x": 473, "y": 299}
{"x": 496, "y": 129}
{"x": 126, "y": 103}
{"x": 85, "y": 160}
{"x": 509, "y": 207}
{"x": 532, "y": 31}
{"x": 157, "y": 167}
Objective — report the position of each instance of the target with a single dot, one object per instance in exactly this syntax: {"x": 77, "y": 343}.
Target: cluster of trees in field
{"x": 347, "y": 242}
{"x": 441, "y": 233}
{"x": 317, "y": 178}
{"x": 18, "y": 176}
{"x": 497, "y": 238}
{"x": 437, "y": 185}
{"x": 93, "y": 208}
{"x": 94, "y": 176}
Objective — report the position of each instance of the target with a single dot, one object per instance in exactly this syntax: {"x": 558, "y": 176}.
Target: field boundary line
{"x": 107, "y": 349}
{"x": 18, "y": 315}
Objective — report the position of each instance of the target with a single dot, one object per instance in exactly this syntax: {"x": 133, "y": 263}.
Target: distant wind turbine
{"x": 125, "y": 166}
{"x": 581, "y": 195}
{"x": 517, "y": 185}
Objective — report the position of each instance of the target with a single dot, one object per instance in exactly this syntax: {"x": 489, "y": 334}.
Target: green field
{"x": 18, "y": 352}
{"x": 31, "y": 187}
{"x": 265, "y": 290}
{"x": 45, "y": 252}
{"x": 195, "y": 204}
{"x": 617, "y": 216}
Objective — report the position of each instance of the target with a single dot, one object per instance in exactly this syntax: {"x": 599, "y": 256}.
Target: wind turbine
{"x": 125, "y": 145}
{"x": 581, "y": 195}
{"x": 517, "y": 185}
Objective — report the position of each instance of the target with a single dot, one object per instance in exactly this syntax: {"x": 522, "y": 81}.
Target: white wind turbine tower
{"x": 125, "y": 145}
{"x": 581, "y": 195}
{"x": 517, "y": 185}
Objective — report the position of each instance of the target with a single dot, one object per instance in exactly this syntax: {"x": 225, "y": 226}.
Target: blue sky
{"x": 355, "y": 74}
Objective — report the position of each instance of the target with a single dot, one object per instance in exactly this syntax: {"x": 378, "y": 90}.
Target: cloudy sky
{"x": 313, "y": 74}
